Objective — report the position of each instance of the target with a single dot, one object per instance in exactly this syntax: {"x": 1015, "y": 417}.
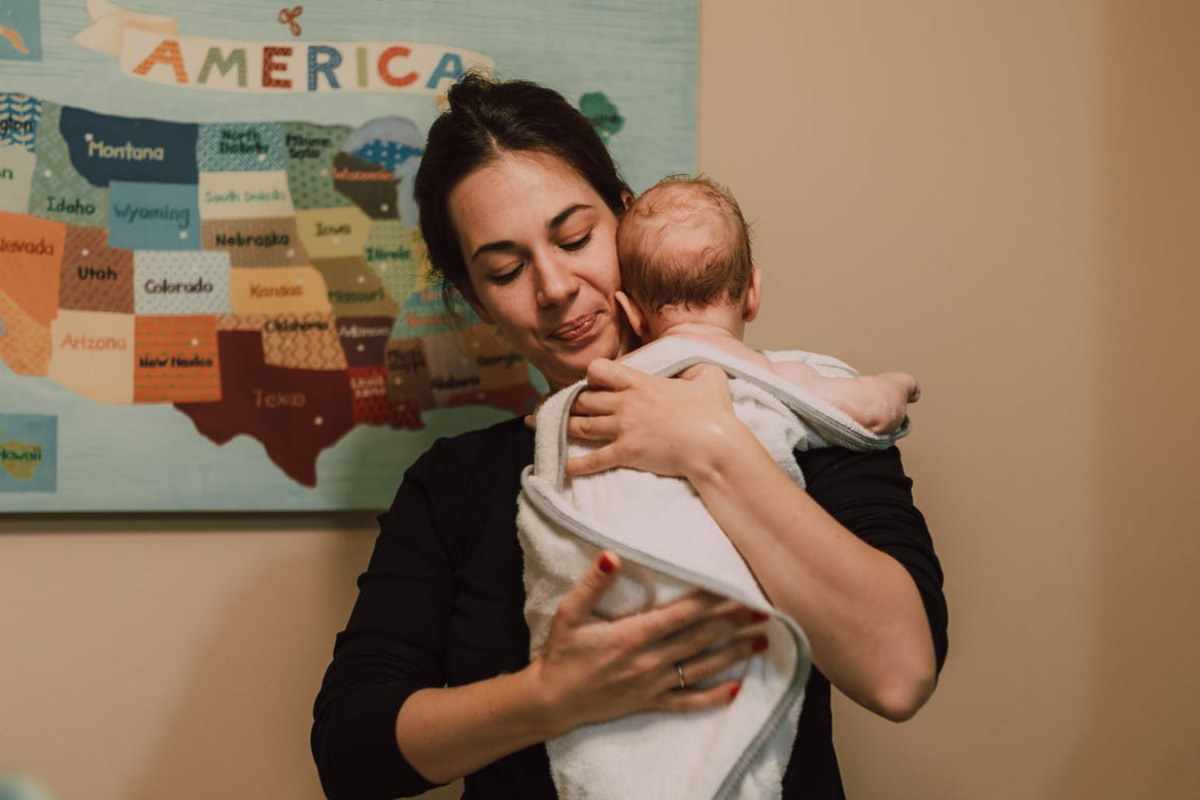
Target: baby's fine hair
{"x": 684, "y": 242}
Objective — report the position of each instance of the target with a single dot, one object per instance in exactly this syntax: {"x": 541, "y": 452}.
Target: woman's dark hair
{"x": 488, "y": 117}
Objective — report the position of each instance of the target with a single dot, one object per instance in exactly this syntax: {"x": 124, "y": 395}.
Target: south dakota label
{"x": 245, "y": 195}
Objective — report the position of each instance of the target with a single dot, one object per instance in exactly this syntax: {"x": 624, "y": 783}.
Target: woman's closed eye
{"x": 577, "y": 244}
{"x": 510, "y": 275}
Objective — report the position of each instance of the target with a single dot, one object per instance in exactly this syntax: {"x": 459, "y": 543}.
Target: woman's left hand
{"x": 668, "y": 426}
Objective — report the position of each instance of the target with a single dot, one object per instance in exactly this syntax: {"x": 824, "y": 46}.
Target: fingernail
{"x": 759, "y": 616}
{"x": 759, "y": 644}
{"x": 737, "y": 687}
{"x": 606, "y": 564}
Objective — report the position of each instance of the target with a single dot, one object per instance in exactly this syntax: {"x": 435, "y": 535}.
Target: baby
{"x": 686, "y": 270}
{"x": 689, "y": 288}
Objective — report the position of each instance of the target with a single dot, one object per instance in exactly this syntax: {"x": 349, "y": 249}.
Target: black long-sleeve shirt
{"x": 441, "y": 604}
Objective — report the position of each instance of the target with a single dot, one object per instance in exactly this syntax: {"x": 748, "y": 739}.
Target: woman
{"x": 431, "y": 679}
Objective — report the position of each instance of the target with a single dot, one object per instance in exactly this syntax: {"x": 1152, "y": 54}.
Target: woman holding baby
{"x": 431, "y": 681}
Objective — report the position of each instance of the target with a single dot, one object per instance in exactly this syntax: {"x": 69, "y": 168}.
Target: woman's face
{"x": 540, "y": 249}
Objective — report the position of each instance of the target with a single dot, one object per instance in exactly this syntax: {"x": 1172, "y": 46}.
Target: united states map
{"x": 265, "y": 279}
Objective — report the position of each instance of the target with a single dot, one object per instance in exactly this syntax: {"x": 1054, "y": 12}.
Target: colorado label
{"x": 170, "y": 282}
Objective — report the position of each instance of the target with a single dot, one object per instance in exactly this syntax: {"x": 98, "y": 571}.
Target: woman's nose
{"x": 556, "y": 283}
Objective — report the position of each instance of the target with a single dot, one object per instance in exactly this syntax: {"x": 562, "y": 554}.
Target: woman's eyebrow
{"x": 562, "y": 216}
{"x": 504, "y": 245}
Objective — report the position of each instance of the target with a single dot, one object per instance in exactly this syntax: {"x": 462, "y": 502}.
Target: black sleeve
{"x": 870, "y": 495}
{"x": 392, "y": 646}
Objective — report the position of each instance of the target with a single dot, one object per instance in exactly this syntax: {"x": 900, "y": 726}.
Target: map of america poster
{"x": 213, "y": 292}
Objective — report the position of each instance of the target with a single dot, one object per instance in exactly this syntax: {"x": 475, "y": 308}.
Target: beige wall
{"x": 1001, "y": 196}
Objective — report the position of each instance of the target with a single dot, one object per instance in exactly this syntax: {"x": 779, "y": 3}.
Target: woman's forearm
{"x": 448, "y": 733}
{"x": 588, "y": 670}
{"x": 860, "y": 608}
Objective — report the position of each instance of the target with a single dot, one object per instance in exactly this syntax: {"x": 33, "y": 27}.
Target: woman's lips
{"x": 576, "y": 329}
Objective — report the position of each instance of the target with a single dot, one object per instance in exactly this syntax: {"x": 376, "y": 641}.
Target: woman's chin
{"x": 567, "y": 368}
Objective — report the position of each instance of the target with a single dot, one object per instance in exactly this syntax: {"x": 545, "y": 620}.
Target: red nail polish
{"x": 606, "y": 564}
{"x": 759, "y": 616}
{"x": 759, "y": 644}
{"x": 733, "y": 693}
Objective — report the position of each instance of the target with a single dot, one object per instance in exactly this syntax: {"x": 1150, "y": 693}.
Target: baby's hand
{"x": 531, "y": 417}
{"x": 898, "y": 389}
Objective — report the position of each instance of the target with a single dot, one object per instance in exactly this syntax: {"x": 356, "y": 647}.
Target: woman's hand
{"x": 594, "y": 669}
{"x": 672, "y": 427}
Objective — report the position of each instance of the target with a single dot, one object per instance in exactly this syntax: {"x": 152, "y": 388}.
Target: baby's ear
{"x": 753, "y": 297}
{"x": 633, "y": 314}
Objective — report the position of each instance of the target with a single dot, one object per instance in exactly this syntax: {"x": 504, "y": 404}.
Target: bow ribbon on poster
{"x": 109, "y": 23}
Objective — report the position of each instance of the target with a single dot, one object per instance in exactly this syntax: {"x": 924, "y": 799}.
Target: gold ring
{"x": 682, "y": 682}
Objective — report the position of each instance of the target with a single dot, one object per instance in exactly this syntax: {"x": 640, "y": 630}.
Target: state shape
{"x": 268, "y": 242}
{"x": 16, "y": 177}
{"x": 452, "y": 370}
{"x": 59, "y": 192}
{"x": 408, "y": 379}
{"x": 370, "y": 186}
{"x": 28, "y": 453}
{"x": 92, "y": 354}
{"x": 244, "y": 195}
{"x": 372, "y": 406}
{"x": 160, "y": 216}
{"x": 364, "y": 339}
{"x": 294, "y": 413}
{"x": 390, "y": 253}
{"x": 24, "y": 342}
{"x": 333, "y": 232}
{"x": 497, "y": 363}
{"x": 31, "y": 251}
{"x": 94, "y": 276}
{"x": 20, "y": 115}
{"x": 177, "y": 282}
{"x": 277, "y": 291}
{"x": 311, "y": 150}
{"x": 176, "y": 360}
{"x": 354, "y": 288}
{"x": 106, "y": 148}
{"x": 240, "y": 147}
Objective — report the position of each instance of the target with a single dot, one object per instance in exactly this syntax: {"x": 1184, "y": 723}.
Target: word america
{"x": 316, "y": 67}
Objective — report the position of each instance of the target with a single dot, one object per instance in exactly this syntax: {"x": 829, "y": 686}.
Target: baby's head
{"x": 685, "y": 246}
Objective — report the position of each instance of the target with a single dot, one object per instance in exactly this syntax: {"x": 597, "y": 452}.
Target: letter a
{"x": 450, "y": 66}
{"x": 167, "y": 52}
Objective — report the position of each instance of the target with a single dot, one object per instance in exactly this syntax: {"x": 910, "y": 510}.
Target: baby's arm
{"x": 877, "y": 402}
